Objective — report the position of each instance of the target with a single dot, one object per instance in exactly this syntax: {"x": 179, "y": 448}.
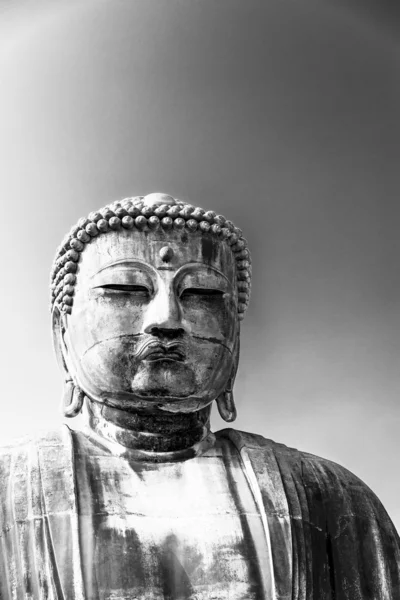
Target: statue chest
{"x": 176, "y": 530}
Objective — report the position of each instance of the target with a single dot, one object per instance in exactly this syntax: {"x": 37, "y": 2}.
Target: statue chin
{"x": 157, "y": 379}
{"x": 151, "y": 403}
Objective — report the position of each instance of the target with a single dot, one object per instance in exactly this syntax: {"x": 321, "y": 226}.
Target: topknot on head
{"x": 146, "y": 213}
{"x": 157, "y": 199}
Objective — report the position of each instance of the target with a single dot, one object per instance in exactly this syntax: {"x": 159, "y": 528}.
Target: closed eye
{"x": 201, "y": 292}
{"x": 119, "y": 287}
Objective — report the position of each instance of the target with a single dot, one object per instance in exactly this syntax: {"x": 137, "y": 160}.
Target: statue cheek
{"x": 213, "y": 320}
{"x": 108, "y": 365}
{"x": 212, "y": 363}
{"x": 95, "y": 322}
{"x": 110, "y": 316}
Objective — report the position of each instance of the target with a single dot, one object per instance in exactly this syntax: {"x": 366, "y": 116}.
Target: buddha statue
{"x": 142, "y": 501}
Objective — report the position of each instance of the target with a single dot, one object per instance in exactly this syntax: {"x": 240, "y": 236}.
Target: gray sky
{"x": 283, "y": 116}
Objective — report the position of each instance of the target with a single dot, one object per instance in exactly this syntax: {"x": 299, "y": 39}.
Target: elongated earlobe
{"x": 72, "y": 399}
{"x": 226, "y": 406}
{"x": 225, "y": 401}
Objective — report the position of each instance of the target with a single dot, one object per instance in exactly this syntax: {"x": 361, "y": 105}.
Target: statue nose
{"x": 164, "y": 316}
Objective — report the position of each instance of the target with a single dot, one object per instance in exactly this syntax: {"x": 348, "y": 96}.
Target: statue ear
{"x": 225, "y": 401}
{"x": 73, "y": 396}
{"x": 236, "y": 355}
{"x": 60, "y": 349}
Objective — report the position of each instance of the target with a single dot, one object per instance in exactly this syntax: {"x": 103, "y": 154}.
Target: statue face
{"x": 154, "y": 321}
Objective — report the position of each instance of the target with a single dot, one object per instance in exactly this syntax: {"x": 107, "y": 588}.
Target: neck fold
{"x": 152, "y": 437}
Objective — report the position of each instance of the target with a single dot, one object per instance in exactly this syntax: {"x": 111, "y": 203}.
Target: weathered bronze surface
{"x": 144, "y": 502}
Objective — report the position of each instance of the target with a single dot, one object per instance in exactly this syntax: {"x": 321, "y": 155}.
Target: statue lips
{"x": 155, "y": 350}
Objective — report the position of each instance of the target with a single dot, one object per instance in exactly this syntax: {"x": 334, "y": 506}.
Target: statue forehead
{"x": 161, "y": 250}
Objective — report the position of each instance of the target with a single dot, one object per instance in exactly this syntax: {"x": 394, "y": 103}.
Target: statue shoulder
{"x": 18, "y": 451}
{"x": 291, "y": 458}
{"x": 310, "y": 479}
{"x": 329, "y": 522}
{"x": 54, "y": 436}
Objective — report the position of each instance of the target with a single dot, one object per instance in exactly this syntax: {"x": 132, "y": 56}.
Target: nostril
{"x": 168, "y": 333}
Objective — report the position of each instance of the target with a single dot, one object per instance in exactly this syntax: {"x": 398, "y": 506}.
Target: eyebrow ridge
{"x": 124, "y": 261}
{"x": 186, "y": 267}
{"x": 147, "y": 267}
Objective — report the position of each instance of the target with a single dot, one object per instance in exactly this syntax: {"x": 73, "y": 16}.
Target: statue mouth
{"x": 156, "y": 351}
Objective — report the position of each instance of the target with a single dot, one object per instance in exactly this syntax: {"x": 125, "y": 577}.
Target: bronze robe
{"x": 327, "y": 534}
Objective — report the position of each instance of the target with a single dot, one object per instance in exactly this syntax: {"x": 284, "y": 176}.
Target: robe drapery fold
{"x": 329, "y": 536}
{"x": 40, "y": 555}
{"x": 326, "y": 521}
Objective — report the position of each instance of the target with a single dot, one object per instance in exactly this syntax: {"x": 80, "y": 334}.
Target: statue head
{"x": 147, "y": 298}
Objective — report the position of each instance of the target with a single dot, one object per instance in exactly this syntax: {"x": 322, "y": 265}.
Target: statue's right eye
{"x": 137, "y": 290}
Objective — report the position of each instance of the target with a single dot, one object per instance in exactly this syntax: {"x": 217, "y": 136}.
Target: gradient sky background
{"x": 282, "y": 115}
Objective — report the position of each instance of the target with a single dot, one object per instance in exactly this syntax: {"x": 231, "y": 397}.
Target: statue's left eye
{"x": 139, "y": 290}
{"x": 201, "y": 292}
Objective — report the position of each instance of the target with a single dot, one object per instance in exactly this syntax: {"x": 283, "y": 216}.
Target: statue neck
{"x": 153, "y": 437}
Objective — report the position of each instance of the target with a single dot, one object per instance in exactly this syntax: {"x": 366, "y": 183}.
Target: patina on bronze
{"x": 144, "y": 501}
